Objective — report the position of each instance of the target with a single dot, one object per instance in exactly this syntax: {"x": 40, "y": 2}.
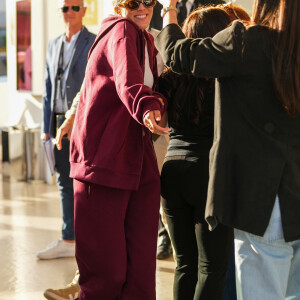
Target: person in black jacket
{"x": 156, "y": 21}
{"x": 202, "y": 256}
{"x": 254, "y": 182}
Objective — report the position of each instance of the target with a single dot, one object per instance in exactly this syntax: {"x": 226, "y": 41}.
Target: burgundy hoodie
{"x": 107, "y": 142}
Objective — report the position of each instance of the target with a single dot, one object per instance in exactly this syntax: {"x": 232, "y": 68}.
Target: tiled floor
{"x": 29, "y": 220}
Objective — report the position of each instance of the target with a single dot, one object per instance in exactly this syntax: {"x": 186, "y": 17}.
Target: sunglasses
{"x": 75, "y": 8}
{"x": 135, "y": 4}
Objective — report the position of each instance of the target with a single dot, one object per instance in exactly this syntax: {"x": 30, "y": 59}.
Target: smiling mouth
{"x": 141, "y": 16}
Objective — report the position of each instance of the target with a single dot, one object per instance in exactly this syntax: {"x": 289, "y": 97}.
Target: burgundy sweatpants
{"x": 116, "y": 237}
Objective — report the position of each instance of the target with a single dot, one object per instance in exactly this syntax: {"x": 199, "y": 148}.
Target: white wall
{"x": 17, "y": 105}
{"x": 247, "y": 4}
{"x": 107, "y": 8}
{"x": 38, "y": 45}
{"x": 3, "y": 103}
{"x": 45, "y": 25}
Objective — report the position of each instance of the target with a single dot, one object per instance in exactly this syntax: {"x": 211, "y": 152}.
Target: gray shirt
{"x": 61, "y": 105}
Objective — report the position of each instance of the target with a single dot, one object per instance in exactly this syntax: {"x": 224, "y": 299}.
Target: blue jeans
{"x": 267, "y": 268}
{"x": 65, "y": 186}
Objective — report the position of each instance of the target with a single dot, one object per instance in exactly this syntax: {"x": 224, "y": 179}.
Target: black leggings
{"x": 202, "y": 256}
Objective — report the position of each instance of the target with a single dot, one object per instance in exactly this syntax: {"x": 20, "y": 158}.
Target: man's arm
{"x": 65, "y": 128}
{"x": 46, "y": 102}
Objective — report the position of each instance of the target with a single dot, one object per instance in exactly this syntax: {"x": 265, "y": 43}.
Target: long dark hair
{"x": 284, "y": 17}
{"x": 265, "y": 12}
{"x": 186, "y": 92}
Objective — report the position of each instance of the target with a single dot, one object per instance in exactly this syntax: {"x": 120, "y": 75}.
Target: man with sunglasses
{"x": 65, "y": 68}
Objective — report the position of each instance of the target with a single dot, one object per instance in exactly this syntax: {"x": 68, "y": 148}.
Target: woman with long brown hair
{"x": 254, "y": 182}
{"x": 201, "y": 256}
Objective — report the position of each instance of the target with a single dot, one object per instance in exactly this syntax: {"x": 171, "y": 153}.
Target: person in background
{"x": 185, "y": 7}
{"x": 113, "y": 163}
{"x": 175, "y": 88}
{"x": 255, "y": 158}
{"x": 65, "y": 67}
{"x": 72, "y": 290}
{"x": 156, "y": 21}
{"x": 235, "y": 12}
{"x": 160, "y": 142}
{"x": 164, "y": 248}
{"x": 201, "y": 256}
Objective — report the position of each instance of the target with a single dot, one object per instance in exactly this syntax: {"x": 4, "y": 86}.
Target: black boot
{"x": 164, "y": 248}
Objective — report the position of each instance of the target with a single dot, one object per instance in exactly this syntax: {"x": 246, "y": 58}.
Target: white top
{"x": 160, "y": 63}
{"x": 148, "y": 76}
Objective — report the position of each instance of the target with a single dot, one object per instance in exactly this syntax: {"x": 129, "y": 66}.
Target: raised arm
{"x": 169, "y": 12}
{"x": 220, "y": 56}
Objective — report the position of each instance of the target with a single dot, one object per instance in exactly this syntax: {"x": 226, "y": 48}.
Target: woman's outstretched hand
{"x": 152, "y": 120}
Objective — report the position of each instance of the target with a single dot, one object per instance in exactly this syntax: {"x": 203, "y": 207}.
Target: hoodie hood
{"x": 109, "y": 23}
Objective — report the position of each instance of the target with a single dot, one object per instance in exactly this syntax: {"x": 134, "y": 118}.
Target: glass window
{"x": 3, "y": 62}
{"x": 24, "y": 45}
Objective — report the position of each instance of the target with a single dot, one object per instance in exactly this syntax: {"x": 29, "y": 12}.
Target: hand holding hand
{"x": 151, "y": 121}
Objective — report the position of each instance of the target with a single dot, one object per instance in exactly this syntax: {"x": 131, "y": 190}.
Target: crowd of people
{"x": 229, "y": 100}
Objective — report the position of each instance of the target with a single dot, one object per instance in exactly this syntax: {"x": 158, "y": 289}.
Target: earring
{"x": 117, "y": 11}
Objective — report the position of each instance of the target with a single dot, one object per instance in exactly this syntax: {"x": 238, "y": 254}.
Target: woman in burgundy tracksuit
{"x": 116, "y": 186}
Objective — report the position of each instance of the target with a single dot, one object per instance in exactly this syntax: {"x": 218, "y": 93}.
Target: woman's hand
{"x": 170, "y": 15}
{"x": 151, "y": 121}
{"x": 65, "y": 128}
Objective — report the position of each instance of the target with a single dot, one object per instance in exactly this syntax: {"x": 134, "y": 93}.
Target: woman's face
{"x": 141, "y": 16}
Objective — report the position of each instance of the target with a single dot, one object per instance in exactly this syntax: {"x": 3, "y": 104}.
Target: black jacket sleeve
{"x": 220, "y": 56}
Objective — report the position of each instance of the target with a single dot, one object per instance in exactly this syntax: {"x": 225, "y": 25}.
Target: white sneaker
{"x": 57, "y": 249}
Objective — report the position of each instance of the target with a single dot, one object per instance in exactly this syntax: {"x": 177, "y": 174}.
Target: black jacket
{"x": 256, "y": 149}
